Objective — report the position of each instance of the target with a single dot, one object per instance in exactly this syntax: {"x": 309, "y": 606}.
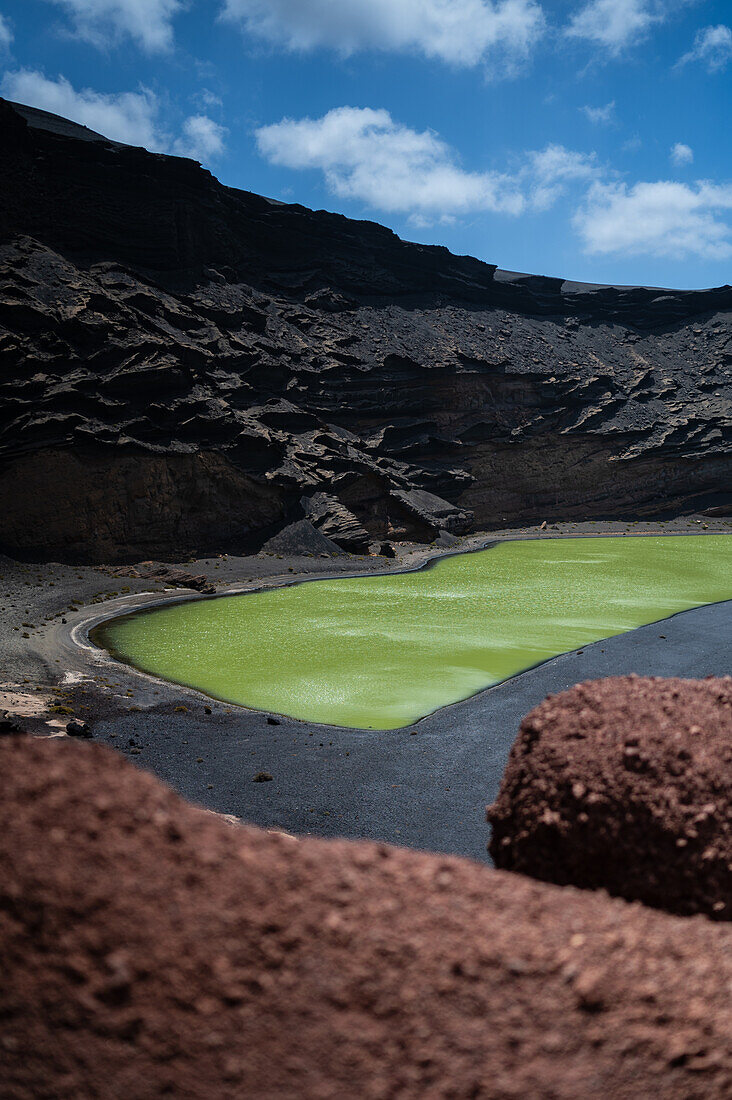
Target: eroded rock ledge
{"x": 149, "y": 314}
{"x": 625, "y": 784}
{"x": 149, "y": 948}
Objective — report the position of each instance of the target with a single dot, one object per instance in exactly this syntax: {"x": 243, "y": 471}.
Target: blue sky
{"x": 583, "y": 138}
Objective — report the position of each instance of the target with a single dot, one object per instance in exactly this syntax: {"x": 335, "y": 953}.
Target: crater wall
{"x": 147, "y": 310}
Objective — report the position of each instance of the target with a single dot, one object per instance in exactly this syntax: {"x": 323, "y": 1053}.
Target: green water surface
{"x": 381, "y": 652}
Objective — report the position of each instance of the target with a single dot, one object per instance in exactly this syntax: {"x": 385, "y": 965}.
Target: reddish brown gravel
{"x": 149, "y": 949}
{"x": 625, "y": 784}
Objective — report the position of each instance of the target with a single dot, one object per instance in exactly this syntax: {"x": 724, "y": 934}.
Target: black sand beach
{"x": 425, "y": 786}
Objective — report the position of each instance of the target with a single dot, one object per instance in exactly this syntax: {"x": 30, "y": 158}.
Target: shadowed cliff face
{"x": 241, "y": 361}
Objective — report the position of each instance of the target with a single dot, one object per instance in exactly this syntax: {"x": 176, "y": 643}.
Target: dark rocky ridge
{"x": 187, "y": 366}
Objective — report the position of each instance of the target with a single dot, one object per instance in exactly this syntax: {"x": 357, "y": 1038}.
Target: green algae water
{"x": 381, "y": 652}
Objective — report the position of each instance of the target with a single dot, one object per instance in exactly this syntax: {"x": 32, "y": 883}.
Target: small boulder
{"x": 301, "y": 538}
{"x": 8, "y": 724}
{"x": 446, "y": 541}
{"x": 74, "y": 728}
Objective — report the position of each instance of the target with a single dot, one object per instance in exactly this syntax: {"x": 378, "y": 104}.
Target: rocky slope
{"x": 188, "y": 367}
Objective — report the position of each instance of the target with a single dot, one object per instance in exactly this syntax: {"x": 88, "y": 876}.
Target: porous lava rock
{"x": 625, "y": 784}
{"x": 149, "y": 948}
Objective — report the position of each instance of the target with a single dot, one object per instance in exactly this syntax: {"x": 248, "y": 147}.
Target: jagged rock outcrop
{"x": 150, "y": 949}
{"x": 625, "y": 784}
{"x": 431, "y": 513}
{"x": 336, "y": 522}
{"x": 148, "y": 312}
{"x": 171, "y": 576}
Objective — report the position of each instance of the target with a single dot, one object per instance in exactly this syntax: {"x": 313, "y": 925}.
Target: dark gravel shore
{"x": 425, "y": 786}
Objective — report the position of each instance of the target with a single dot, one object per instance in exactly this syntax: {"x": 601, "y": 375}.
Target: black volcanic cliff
{"x": 188, "y": 367}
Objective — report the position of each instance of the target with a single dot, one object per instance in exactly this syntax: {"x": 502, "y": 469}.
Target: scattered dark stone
{"x": 262, "y": 777}
{"x": 386, "y": 550}
{"x": 625, "y": 785}
{"x": 76, "y": 728}
{"x": 273, "y": 721}
{"x": 8, "y": 724}
{"x": 207, "y": 710}
{"x": 302, "y": 968}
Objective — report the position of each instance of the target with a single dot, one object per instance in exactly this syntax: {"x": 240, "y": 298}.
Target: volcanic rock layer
{"x": 149, "y": 949}
{"x": 188, "y": 367}
{"x": 625, "y": 784}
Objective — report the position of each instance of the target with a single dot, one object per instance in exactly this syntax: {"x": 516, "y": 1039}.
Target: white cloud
{"x": 460, "y": 32}
{"x": 202, "y": 139}
{"x": 365, "y": 155}
{"x": 600, "y": 116}
{"x": 681, "y": 154}
{"x": 130, "y": 117}
{"x": 615, "y": 24}
{"x": 712, "y": 47}
{"x": 210, "y": 98}
{"x": 665, "y": 219}
{"x": 550, "y": 170}
{"x": 105, "y": 22}
{"x": 6, "y": 35}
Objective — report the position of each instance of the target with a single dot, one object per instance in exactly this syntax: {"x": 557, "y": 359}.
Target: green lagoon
{"x": 380, "y": 652}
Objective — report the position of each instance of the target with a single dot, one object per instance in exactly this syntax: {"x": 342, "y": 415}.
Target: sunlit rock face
{"x": 147, "y": 310}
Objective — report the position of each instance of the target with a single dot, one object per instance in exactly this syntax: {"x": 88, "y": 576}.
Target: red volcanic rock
{"x": 148, "y": 948}
{"x": 625, "y": 784}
